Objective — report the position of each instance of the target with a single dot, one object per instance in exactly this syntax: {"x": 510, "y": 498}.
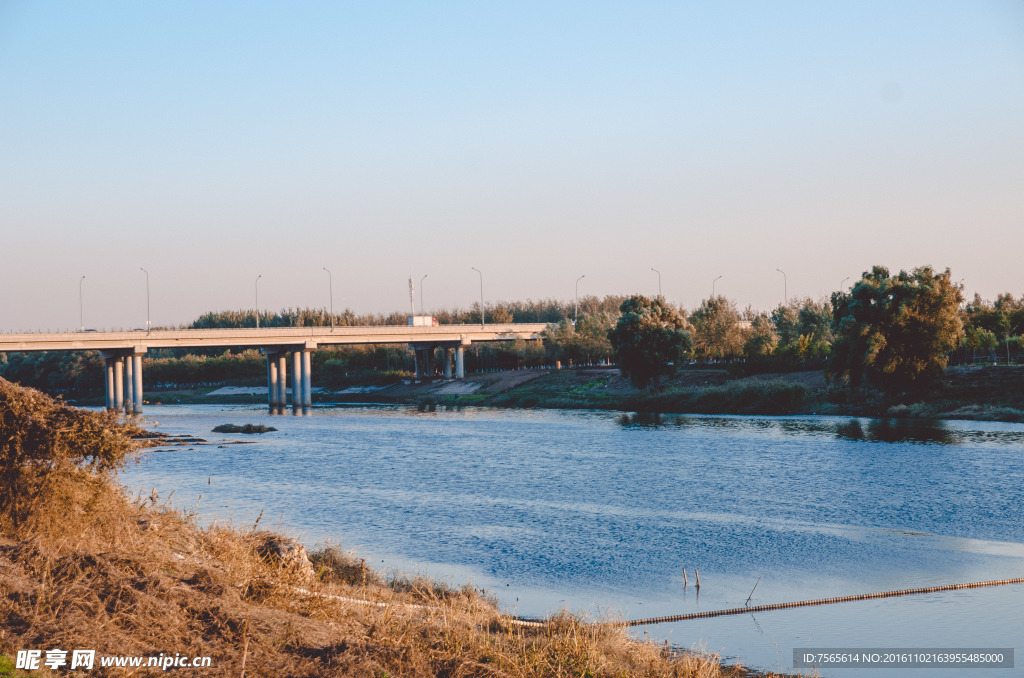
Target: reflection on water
{"x": 915, "y": 431}
{"x": 647, "y": 419}
{"x": 899, "y": 431}
{"x": 604, "y": 510}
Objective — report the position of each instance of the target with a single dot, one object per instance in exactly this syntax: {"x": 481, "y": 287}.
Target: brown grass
{"x": 83, "y": 566}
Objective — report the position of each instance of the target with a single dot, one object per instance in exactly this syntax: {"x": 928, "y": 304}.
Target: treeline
{"x": 798, "y": 335}
{"x": 529, "y": 311}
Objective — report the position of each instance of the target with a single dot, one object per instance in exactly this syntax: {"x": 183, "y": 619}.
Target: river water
{"x": 601, "y": 511}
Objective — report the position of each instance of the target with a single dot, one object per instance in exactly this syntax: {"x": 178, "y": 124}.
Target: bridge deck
{"x": 305, "y": 337}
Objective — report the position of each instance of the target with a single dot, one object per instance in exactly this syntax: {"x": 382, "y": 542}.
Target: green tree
{"x": 762, "y": 338}
{"x": 814, "y": 321}
{"x": 650, "y": 340}
{"x": 586, "y": 342}
{"x": 717, "y": 334}
{"x": 895, "y": 331}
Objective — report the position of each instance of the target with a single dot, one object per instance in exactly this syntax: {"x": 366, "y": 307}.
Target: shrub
{"x": 44, "y": 443}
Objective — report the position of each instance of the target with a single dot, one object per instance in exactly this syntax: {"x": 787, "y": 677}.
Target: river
{"x": 601, "y": 511}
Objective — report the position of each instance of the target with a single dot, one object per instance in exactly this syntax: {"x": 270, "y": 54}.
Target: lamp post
{"x": 659, "y": 280}
{"x": 843, "y": 283}
{"x": 423, "y": 310}
{"x": 785, "y": 287}
{"x": 713, "y": 286}
{"x": 149, "y": 325}
{"x": 81, "y": 307}
{"x": 330, "y": 286}
{"x": 482, "y": 314}
{"x": 257, "y": 285}
{"x": 576, "y": 309}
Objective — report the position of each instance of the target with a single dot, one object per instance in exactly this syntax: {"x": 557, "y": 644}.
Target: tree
{"x": 587, "y": 342}
{"x": 717, "y": 331}
{"x": 895, "y": 331}
{"x": 650, "y": 340}
{"x": 762, "y": 338}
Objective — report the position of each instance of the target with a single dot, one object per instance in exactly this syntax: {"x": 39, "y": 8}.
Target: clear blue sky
{"x": 214, "y": 142}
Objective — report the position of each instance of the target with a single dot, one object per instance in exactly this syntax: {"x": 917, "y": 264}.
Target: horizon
{"x": 215, "y": 144}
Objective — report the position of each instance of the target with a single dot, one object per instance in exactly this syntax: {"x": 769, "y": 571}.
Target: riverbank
{"x": 84, "y": 567}
{"x": 992, "y": 393}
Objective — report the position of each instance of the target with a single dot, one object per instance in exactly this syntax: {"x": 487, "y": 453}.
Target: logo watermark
{"x": 32, "y": 660}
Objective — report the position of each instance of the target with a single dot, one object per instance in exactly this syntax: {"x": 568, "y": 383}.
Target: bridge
{"x": 122, "y": 351}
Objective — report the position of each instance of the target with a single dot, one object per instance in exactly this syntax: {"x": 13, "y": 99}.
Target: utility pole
{"x": 576, "y": 310}
{"x": 482, "y": 312}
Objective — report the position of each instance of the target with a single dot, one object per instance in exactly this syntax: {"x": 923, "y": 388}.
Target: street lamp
{"x": 481, "y": 295}
{"x": 330, "y": 285}
{"x": 576, "y": 310}
{"x": 257, "y": 285}
{"x": 422, "y": 308}
{"x": 149, "y": 325}
{"x": 81, "y": 307}
{"x": 659, "y": 280}
{"x": 785, "y": 287}
{"x": 713, "y": 286}
{"x": 843, "y": 283}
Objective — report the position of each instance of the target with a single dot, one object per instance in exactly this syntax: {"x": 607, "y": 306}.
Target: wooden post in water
{"x": 684, "y": 578}
{"x": 697, "y": 573}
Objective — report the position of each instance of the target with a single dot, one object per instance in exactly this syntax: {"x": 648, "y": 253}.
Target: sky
{"x": 212, "y": 143}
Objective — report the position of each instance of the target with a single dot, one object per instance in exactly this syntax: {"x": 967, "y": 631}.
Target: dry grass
{"x": 87, "y": 567}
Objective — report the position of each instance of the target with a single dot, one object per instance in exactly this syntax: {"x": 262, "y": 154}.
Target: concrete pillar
{"x": 109, "y": 364}
{"x": 416, "y": 362}
{"x": 448, "y": 363}
{"x": 118, "y": 383}
{"x": 460, "y": 362}
{"x": 129, "y": 383}
{"x": 272, "y": 380}
{"x": 307, "y": 379}
{"x": 137, "y": 386}
{"x": 282, "y": 380}
{"x": 296, "y": 379}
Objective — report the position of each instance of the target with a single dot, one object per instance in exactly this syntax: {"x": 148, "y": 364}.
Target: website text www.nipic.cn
{"x": 31, "y": 660}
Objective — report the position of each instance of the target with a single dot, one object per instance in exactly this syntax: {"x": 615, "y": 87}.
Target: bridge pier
{"x": 448, "y": 354}
{"x": 118, "y": 383}
{"x": 277, "y": 378}
{"x": 460, "y": 362}
{"x": 136, "y": 359}
{"x": 271, "y": 380}
{"x": 108, "y": 364}
{"x": 129, "y": 384}
{"x": 296, "y": 380}
{"x": 282, "y": 381}
{"x": 424, "y": 361}
{"x": 307, "y": 378}
{"x": 123, "y": 379}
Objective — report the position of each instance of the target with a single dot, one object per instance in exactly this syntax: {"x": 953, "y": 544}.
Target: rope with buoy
{"x": 818, "y": 601}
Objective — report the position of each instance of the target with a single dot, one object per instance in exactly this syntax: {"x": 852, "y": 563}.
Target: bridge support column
{"x": 282, "y": 381}
{"x": 296, "y": 380}
{"x": 108, "y": 363}
{"x": 272, "y": 381}
{"x": 118, "y": 383}
{"x": 307, "y": 379}
{"x": 136, "y": 359}
{"x": 448, "y": 362}
{"x": 460, "y": 362}
{"x": 129, "y": 384}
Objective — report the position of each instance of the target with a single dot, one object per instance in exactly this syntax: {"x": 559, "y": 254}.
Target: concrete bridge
{"x": 122, "y": 351}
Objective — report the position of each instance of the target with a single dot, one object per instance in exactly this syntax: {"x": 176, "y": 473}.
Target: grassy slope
{"x": 83, "y": 566}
